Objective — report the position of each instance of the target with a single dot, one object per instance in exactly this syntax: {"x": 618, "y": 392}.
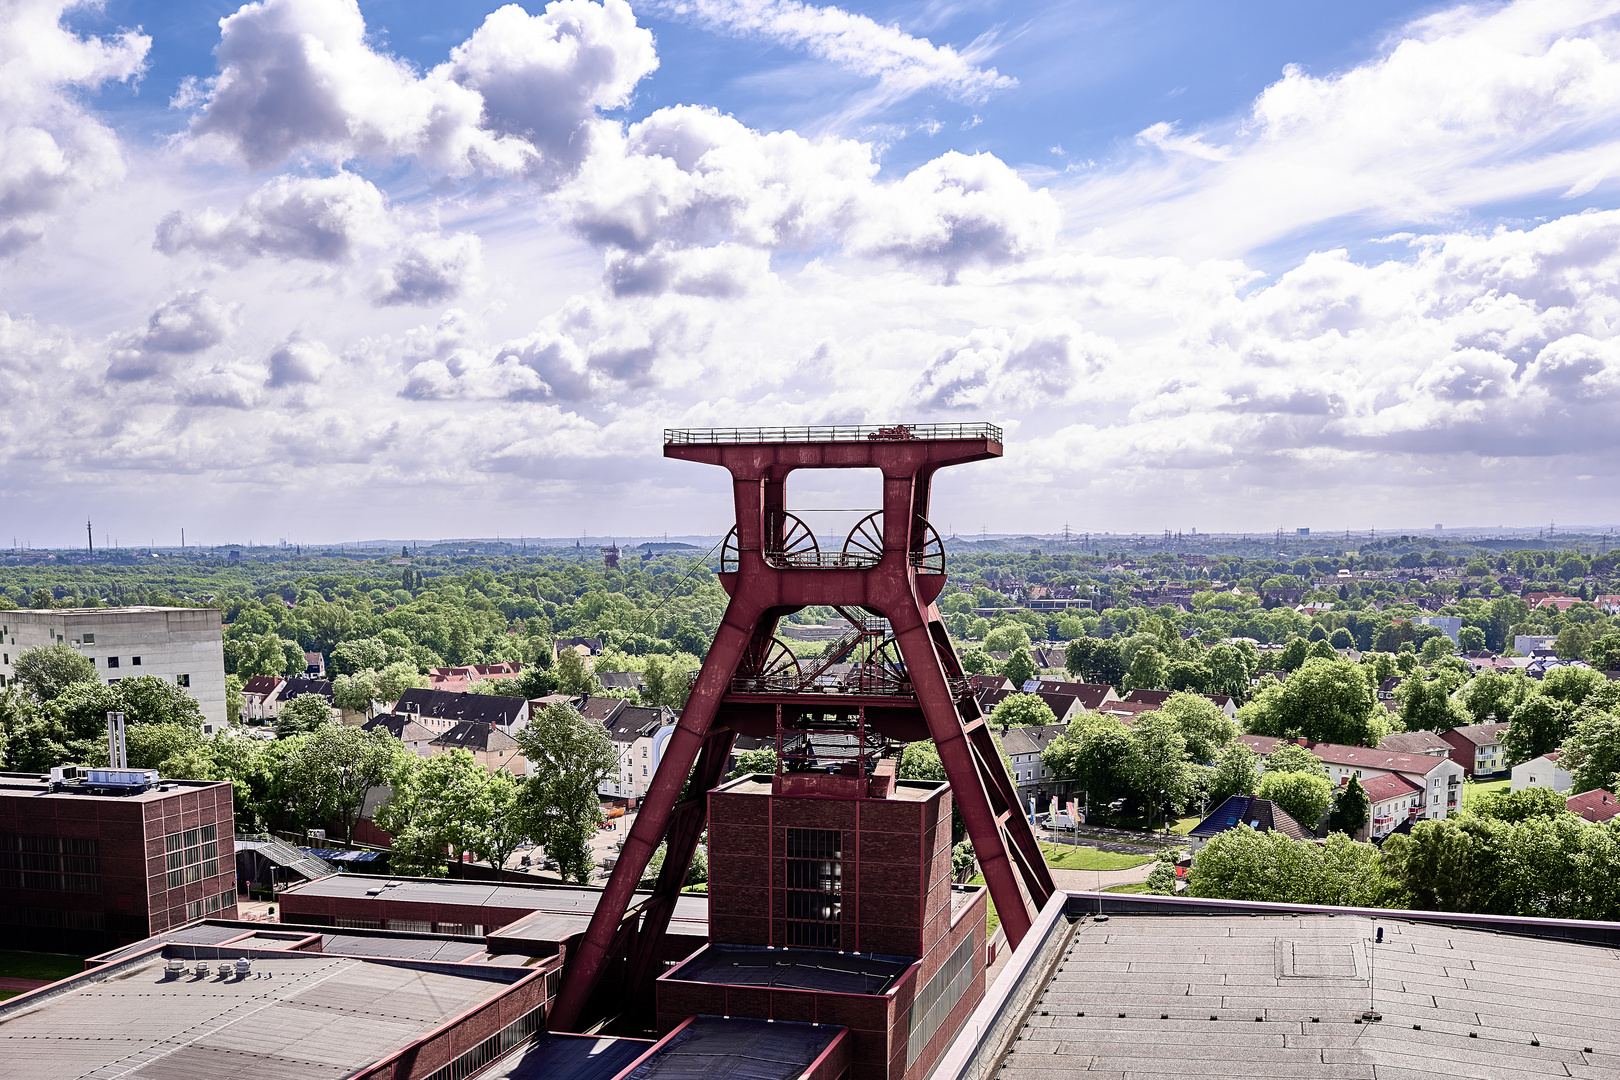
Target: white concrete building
{"x": 180, "y": 645}
{"x": 1543, "y": 771}
{"x": 639, "y": 736}
{"x": 1394, "y": 799}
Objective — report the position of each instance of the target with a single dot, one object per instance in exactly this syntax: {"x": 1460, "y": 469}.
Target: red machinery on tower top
{"x": 901, "y": 680}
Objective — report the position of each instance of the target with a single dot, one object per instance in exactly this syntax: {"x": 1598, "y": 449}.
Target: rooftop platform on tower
{"x": 768, "y": 436}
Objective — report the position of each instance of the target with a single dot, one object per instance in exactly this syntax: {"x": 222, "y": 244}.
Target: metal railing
{"x": 855, "y": 684}
{"x": 836, "y": 433}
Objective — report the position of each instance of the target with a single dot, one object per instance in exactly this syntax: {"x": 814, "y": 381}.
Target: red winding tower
{"x": 905, "y": 682}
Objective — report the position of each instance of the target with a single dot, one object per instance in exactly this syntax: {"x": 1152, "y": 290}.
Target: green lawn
{"x": 37, "y": 965}
{"x": 1472, "y": 791}
{"x": 1132, "y": 887}
{"x": 1064, "y": 857}
{"x": 34, "y": 965}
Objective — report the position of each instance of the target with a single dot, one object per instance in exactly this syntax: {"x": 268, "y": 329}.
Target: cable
{"x": 671, "y": 591}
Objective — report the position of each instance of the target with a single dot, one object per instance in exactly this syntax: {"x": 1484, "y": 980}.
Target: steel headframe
{"x": 898, "y": 585}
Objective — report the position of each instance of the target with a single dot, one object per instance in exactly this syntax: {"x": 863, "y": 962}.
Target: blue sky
{"x": 1213, "y": 264}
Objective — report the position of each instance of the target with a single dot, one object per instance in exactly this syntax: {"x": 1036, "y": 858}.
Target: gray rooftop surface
{"x": 793, "y": 969}
{"x": 738, "y": 1049}
{"x": 1139, "y": 996}
{"x": 690, "y": 907}
{"x": 568, "y": 1057}
{"x": 316, "y": 1016}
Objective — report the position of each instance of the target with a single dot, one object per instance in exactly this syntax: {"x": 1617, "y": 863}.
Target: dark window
{"x": 182, "y": 680}
{"x": 813, "y": 901}
{"x": 112, "y": 661}
{"x": 134, "y": 661}
{"x": 56, "y": 864}
{"x": 191, "y": 855}
{"x": 89, "y": 639}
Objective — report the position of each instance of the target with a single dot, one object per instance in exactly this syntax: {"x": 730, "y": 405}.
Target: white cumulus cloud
{"x": 52, "y": 149}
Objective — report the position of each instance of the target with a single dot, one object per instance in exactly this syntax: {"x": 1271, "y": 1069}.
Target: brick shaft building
{"x": 86, "y": 866}
{"x": 836, "y": 907}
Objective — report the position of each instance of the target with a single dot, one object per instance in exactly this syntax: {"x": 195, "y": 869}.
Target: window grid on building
{"x": 210, "y": 905}
{"x": 192, "y": 855}
{"x": 55, "y": 864}
{"x": 813, "y": 898}
{"x": 933, "y": 1004}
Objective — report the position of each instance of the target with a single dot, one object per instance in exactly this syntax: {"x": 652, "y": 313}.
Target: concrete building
{"x": 114, "y": 858}
{"x": 639, "y": 735}
{"x": 1439, "y": 778}
{"x": 1449, "y": 625}
{"x": 1543, "y": 771}
{"x": 1478, "y": 748}
{"x": 179, "y": 645}
{"x": 1393, "y": 800}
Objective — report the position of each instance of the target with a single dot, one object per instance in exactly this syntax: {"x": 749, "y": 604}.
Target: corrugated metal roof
{"x": 314, "y": 1016}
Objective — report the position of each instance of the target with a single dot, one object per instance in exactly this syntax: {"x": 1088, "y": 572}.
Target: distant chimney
{"x": 117, "y": 757}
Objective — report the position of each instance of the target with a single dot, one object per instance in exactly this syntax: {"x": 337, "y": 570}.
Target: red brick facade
{"x": 94, "y": 871}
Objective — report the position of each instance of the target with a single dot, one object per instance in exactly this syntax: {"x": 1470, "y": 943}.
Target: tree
{"x": 449, "y": 804}
{"x": 1237, "y": 772}
{"x": 1305, "y": 797}
{"x": 1294, "y": 654}
{"x": 47, "y": 670}
{"x": 1158, "y": 764}
{"x": 1515, "y": 806}
{"x": 1494, "y": 695}
{"x": 1228, "y": 672}
{"x": 360, "y": 654}
{"x": 1427, "y": 704}
{"x": 1573, "y": 642}
{"x": 396, "y": 678}
{"x": 1351, "y": 809}
{"x": 1254, "y": 864}
{"x": 1471, "y": 638}
{"x": 1324, "y": 701}
{"x": 1291, "y": 757}
{"x": 573, "y": 677}
{"x": 978, "y": 662}
{"x": 356, "y": 692}
{"x": 1096, "y": 752}
{"x": 1022, "y": 710}
{"x": 333, "y": 767}
{"x": 1147, "y": 670}
{"x": 1436, "y": 649}
{"x": 1538, "y": 726}
{"x": 304, "y": 714}
{"x": 1095, "y": 660}
{"x": 920, "y": 761}
{"x": 1591, "y": 753}
{"x": 1202, "y": 724}
{"x": 569, "y": 758}
{"x": 749, "y": 762}
{"x": 233, "y": 700}
{"x": 1007, "y": 638}
{"x": 1321, "y": 650}
{"x": 1019, "y": 668}
{"x": 150, "y": 745}
{"x": 1342, "y": 639}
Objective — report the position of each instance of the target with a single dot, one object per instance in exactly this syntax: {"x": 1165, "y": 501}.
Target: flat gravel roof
{"x": 314, "y": 1017}
{"x": 794, "y": 969}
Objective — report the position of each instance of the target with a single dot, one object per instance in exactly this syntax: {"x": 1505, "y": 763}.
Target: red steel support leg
{"x": 987, "y": 826}
{"x": 686, "y": 824}
{"x": 652, "y": 820}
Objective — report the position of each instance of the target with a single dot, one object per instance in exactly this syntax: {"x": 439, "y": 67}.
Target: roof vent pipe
{"x": 243, "y": 966}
